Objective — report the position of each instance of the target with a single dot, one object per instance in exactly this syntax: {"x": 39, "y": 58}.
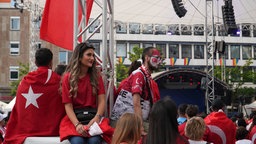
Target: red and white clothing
{"x": 139, "y": 82}
{"x": 206, "y": 136}
{"x": 223, "y": 130}
{"x": 38, "y": 109}
{"x": 252, "y": 135}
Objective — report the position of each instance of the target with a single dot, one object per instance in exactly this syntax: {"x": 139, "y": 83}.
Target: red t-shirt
{"x": 84, "y": 93}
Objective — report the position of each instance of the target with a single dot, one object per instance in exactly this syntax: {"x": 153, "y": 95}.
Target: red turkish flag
{"x": 223, "y": 130}
{"x": 38, "y": 109}
{"x": 57, "y": 22}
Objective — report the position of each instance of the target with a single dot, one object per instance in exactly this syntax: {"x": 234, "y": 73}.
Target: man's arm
{"x": 136, "y": 104}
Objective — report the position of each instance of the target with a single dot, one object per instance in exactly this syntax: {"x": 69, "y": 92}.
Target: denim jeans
{"x": 83, "y": 140}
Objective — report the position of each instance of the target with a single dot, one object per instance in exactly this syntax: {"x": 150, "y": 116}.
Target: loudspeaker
{"x": 221, "y": 47}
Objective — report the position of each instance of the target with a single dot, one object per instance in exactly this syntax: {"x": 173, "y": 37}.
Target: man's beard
{"x": 151, "y": 67}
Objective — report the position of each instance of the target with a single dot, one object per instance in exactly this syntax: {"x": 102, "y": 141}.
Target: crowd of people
{"x": 69, "y": 102}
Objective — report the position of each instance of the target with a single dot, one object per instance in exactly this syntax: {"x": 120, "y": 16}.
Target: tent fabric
{"x": 251, "y": 105}
{"x": 10, "y": 105}
{"x": 162, "y": 12}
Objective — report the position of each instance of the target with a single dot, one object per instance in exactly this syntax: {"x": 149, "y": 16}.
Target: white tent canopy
{"x": 251, "y": 105}
{"x": 9, "y": 107}
{"x": 162, "y": 12}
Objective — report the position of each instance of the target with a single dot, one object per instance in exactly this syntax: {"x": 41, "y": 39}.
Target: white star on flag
{"x": 31, "y": 97}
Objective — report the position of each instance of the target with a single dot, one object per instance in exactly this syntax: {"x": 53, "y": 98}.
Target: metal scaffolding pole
{"x": 210, "y": 38}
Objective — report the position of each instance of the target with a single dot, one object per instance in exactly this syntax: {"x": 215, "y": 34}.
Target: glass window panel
{"x": 14, "y": 72}
{"x": 247, "y": 52}
{"x": 121, "y": 27}
{"x": 134, "y": 28}
{"x": 160, "y": 29}
{"x": 145, "y": 45}
{"x": 162, "y": 48}
{"x": 15, "y": 23}
{"x": 132, "y": 45}
{"x": 14, "y": 48}
{"x": 235, "y": 51}
{"x": 186, "y": 51}
{"x": 121, "y": 50}
{"x": 96, "y": 45}
{"x": 63, "y": 57}
{"x": 147, "y": 28}
{"x": 174, "y": 51}
{"x": 199, "y": 52}
{"x": 94, "y": 26}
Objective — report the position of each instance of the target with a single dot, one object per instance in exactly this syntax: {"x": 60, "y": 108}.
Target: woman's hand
{"x": 95, "y": 119}
{"x": 81, "y": 130}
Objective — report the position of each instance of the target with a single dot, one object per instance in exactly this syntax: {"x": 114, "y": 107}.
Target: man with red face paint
{"x": 139, "y": 91}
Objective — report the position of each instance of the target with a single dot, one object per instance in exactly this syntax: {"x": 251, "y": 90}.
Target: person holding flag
{"x": 38, "y": 109}
{"x": 82, "y": 87}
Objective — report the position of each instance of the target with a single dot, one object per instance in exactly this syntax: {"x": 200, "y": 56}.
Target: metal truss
{"x": 209, "y": 36}
{"x": 81, "y": 31}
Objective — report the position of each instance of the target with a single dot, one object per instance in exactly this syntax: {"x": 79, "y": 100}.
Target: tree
{"x": 236, "y": 77}
{"x": 23, "y": 70}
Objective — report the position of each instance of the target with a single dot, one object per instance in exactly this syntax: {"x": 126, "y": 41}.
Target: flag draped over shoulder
{"x": 57, "y": 22}
{"x": 223, "y": 130}
{"x": 38, "y": 109}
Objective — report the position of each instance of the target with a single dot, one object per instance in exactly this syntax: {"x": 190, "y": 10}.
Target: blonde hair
{"x": 128, "y": 129}
{"x": 74, "y": 67}
{"x": 195, "y": 128}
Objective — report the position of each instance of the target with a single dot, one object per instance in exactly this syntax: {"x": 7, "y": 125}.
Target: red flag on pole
{"x": 57, "y": 22}
{"x": 38, "y": 109}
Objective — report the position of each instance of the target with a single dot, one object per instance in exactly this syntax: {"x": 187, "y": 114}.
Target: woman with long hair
{"x": 163, "y": 125}
{"x": 128, "y": 129}
{"x": 82, "y": 87}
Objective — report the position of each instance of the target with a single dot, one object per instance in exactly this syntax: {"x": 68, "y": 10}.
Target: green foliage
{"x": 121, "y": 72}
{"x": 236, "y": 77}
{"x": 23, "y": 70}
{"x": 136, "y": 54}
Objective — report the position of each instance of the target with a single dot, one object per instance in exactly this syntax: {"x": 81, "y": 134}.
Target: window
{"x": 145, "y": 45}
{"x": 235, "y": 51}
{"x": 198, "y": 29}
{"x": 134, "y": 28}
{"x": 63, "y": 57}
{"x": 121, "y": 50}
{"x": 247, "y": 52}
{"x": 14, "y": 72}
{"x": 121, "y": 27}
{"x": 14, "y": 48}
{"x": 174, "y": 51}
{"x": 132, "y": 45}
{"x": 147, "y": 28}
{"x": 186, "y": 51}
{"x": 15, "y": 23}
{"x": 96, "y": 45}
{"x": 162, "y": 48}
{"x": 160, "y": 29}
{"x": 199, "y": 52}
{"x": 94, "y": 26}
